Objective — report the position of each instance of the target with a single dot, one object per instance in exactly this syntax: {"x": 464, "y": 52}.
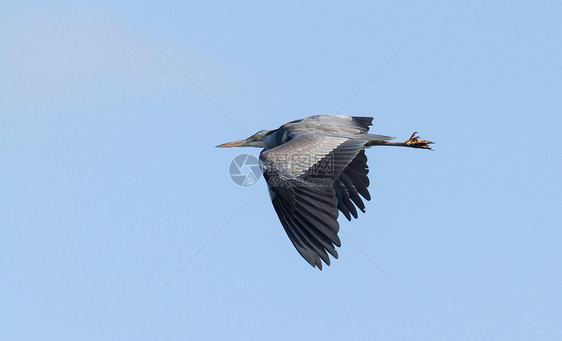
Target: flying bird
{"x": 315, "y": 168}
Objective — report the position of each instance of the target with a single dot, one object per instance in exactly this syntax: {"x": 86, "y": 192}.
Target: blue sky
{"x": 111, "y": 182}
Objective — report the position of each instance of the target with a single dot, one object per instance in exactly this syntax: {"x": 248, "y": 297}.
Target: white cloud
{"x": 76, "y": 55}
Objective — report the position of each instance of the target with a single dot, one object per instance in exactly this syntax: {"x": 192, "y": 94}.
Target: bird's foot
{"x": 416, "y": 142}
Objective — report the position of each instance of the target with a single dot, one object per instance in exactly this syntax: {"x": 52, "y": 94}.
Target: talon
{"x": 416, "y": 142}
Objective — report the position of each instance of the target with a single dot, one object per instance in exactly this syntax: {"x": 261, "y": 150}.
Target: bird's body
{"x": 314, "y": 168}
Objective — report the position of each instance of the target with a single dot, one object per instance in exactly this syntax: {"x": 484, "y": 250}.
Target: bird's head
{"x": 258, "y": 140}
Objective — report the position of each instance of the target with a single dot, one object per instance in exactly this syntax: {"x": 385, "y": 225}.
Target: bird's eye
{"x": 256, "y": 138}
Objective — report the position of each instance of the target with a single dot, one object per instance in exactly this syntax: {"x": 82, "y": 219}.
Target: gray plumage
{"x": 314, "y": 168}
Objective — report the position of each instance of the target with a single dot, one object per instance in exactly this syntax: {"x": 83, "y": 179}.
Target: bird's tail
{"x": 375, "y": 139}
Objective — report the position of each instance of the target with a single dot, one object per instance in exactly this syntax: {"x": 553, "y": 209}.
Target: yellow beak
{"x": 232, "y": 144}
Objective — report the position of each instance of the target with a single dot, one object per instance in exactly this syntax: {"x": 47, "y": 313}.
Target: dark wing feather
{"x": 311, "y": 224}
{"x": 304, "y": 197}
{"x": 351, "y": 183}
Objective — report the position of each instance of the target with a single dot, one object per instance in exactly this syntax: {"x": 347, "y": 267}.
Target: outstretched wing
{"x": 301, "y": 174}
{"x": 353, "y": 183}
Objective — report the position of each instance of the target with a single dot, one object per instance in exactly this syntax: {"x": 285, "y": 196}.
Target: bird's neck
{"x": 272, "y": 140}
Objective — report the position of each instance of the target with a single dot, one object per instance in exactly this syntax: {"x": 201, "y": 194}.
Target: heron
{"x": 315, "y": 168}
